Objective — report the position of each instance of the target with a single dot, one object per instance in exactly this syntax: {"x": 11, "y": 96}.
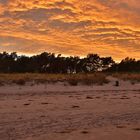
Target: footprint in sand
{"x": 20, "y": 118}
{"x": 42, "y": 116}
{"x": 63, "y": 132}
{"x": 120, "y": 126}
{"x": 124, "y": 98}
{"x": 30, "y": 100}
{"x": 105, "y": 95}
{"x": 75, "y": 106}
{"x": 70, "y": 96}
{"x": 84, "y": 132}
{"x": 136, "y": 129}
{"x": 97, "y": 97}
{"x": 26, "y": 104}
{"x": 44, "y": 103}
{"x": 89, "y": 97}
{"x": 135, "y": 96}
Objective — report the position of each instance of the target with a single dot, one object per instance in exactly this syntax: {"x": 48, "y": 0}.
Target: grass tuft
{"x": 20, "y": 82}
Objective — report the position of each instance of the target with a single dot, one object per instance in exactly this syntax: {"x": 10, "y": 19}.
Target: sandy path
{"x": 75, "y": 115}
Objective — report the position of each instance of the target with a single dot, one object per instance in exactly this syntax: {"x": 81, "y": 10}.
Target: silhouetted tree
{"x": 50, "y": 63}
{"x": 126, "y": 65}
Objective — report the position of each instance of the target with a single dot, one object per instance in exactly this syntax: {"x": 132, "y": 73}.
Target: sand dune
{"x": 58, "y": 112}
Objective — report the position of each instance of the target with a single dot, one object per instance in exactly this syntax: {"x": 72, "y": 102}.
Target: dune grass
{"x": 133, "y": 77}
{"x": 88, "y": 79}
{"x": 99, "y": 78}
{"x": 72, "y": 79}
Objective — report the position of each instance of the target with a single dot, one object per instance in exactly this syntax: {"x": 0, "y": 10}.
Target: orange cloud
{"x": 71, "y": 27}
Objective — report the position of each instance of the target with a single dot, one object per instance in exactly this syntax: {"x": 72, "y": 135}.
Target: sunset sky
{"x": 71, "y": 27}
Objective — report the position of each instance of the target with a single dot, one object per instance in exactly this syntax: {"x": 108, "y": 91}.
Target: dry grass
{"x": 85, "y": 79}
{"x": 72, "y": 79}
{"x": 133, "y": 77}
{"x": 88, "y": 79}
{"x": 20, "y": 82}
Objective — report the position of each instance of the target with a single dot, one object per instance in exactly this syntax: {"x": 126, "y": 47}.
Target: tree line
{"x": 51, "y": 63}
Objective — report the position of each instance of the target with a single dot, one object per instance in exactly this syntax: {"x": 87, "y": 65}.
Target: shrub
{"x": 20, "y": 82}
{"x": 73, "y": 82}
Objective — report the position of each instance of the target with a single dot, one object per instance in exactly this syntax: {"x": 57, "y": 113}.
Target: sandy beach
{"x": 63, "y": 112}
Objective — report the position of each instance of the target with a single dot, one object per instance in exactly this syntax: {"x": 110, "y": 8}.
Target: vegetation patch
{"x": 133, "y": 77}
{"x": 72, "y": 79}
{"x": 20, "y": 82}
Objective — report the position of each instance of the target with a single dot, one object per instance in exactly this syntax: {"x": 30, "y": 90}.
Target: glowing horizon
{"x": 71, "y": 27}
